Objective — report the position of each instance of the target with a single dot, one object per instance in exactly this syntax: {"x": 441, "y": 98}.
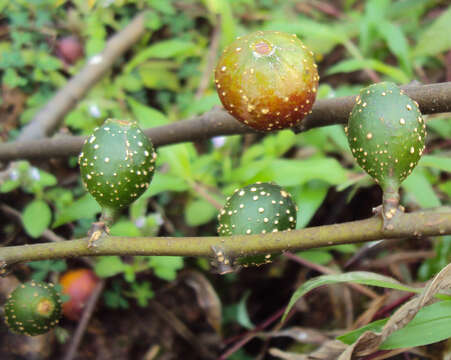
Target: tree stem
{"x": 432, "y": 98}
{"x": 424, "y": 223}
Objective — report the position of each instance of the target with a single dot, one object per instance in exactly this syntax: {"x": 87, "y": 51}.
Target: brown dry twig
{"x": 84, "y": 321}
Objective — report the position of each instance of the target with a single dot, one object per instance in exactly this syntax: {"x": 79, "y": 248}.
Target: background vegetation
{"x": 173, "y": 307}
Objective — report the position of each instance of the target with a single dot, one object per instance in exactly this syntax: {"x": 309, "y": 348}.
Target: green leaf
{"x": 83, "y": 208}
{"x": 223, "y": 10}
{"x": 430, "y": 325}
{"x": 426, "y": 197}
{"x": 142, "y": 293}
{"x": 396, "y": 41}
{"x": 12, "y": 79}
{"x": 124, "y": 228}
{"x": 9, "y": 185}
{"x": 36, "y": 218}
{"x": 309, "y": 197}
{"x": 238, "y": 313}
{"x": 165, "y": 7}
{"x": 247, "y": 171}
{"x": 436, "y": 162}
{"x": 353, "y": 335}
{"x": 178, "y": 157}
{"x": 442, "y": 126}
{"x": 38, "y": 180}
{"x": 351, "y": 65}
{"x": 43, "y": 267}
{"x": 316, "y": 256}
{"x": 158, "y": 76}
{"x": 321, "y": 38}
{"x": 297, "y": 172}
{"x": 165, "y": 267}
{"x": 435, "y": 39}
{"x": 165, "y": 182}
{"x": 113, "y": 298}
{"x": 359, "y": 277}
{"x": 242, "y": 313}
{"x": 199, "y": 212}
{"x": 147, "y": 117}
{"x": 162, "y": 50}
{"x": 107, "y": 266}
{"x": 432, "y": 266}
{"x": 446, "y": 188}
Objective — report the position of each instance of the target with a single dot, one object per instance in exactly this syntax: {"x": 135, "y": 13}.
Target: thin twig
{"x": 325, "y": 270}
{"x": 84, "y": 321}
{"x": 49, "y": 117}
{"x": 48, "y": 234}
{"x": 211, "y": 59}
{"x": 251, "y": 334}
{"x": 433, "y": 98}
{"x": 202, "y": 192}
{"x": 181, "y": 329}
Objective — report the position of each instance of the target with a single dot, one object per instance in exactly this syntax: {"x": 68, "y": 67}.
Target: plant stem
{"x": 424, "y": 223}
{"x": 433, "y": 99}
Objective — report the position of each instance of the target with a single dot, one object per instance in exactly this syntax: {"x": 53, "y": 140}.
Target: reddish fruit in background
{"x": 79, "y": 285}
{"x": 267, "y": 80}
{"x": 69, "y": 49}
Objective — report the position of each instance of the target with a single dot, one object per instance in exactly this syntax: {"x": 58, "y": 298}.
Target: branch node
{"x": 220, "y": 261}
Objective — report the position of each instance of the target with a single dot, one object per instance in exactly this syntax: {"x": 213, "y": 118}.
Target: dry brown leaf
{"x": 368, "y": 315}
{"x": 328, "y": 351}
{"x": 207, "y": 297}
{"x": 286, "y": 355}
{"x": 300, "y": 334}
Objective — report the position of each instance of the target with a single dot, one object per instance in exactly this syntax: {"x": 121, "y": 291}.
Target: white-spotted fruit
{"x": 259, "y": 208}
{"x": 386, "y": 134}
{"x": 117, "y": 163}
{"x": 267, "y": 80}
{"x": 33, "y": 308}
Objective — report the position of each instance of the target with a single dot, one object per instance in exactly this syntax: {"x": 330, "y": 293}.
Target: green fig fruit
{"x": 33, "y": 308}
{"x": 117, "y": 163}
{"x": 386, "y": 134}
{"x": 259, "y": 208}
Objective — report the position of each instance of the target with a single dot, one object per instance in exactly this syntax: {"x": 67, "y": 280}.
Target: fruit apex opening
{"x": 45, "y": 307}
{"x": 263, "y": 48}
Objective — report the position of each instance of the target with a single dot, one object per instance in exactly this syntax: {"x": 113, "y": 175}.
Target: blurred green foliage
{"x": 158, "y": 82}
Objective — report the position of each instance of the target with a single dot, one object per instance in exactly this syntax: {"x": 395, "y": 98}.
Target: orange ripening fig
{"x": 268, "y": 80}
{"x": 79, "y": 285}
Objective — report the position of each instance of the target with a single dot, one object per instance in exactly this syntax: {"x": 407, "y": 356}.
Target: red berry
{"x": 267, "y": 80}
{"x": 69, "y": 49}
{"x": 79, "y": 285}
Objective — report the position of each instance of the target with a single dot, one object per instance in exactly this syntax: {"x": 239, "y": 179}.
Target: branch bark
{"x": 424, "y": 223}
{"x": 433, "y": 98}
